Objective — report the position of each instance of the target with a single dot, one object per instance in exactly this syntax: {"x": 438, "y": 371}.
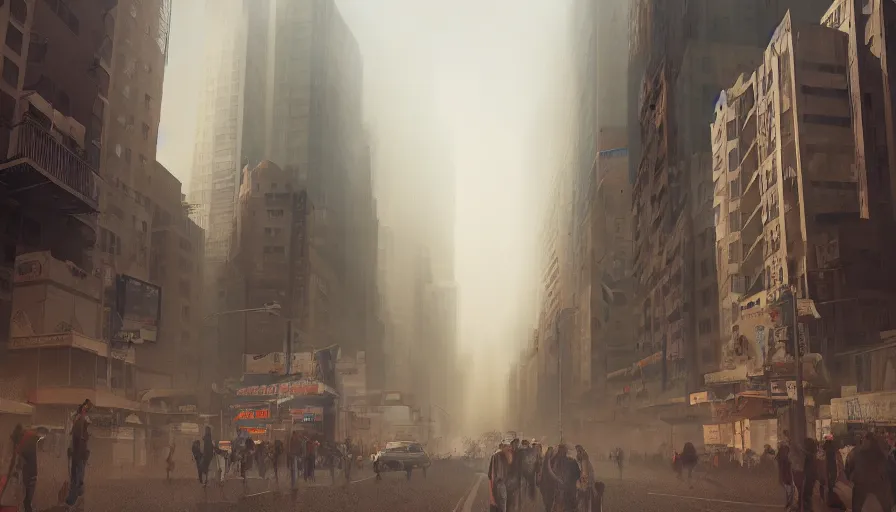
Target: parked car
{"x": 401, "y": 456}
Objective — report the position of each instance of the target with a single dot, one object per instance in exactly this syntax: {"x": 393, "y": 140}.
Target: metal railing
{"x": 35, "y": 143}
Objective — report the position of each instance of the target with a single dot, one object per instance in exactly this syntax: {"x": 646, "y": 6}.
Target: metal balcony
{"x": 42, "y": 172}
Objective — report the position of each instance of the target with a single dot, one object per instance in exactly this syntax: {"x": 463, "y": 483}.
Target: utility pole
{"x": 799, "y": 431}
{"x": 557, "y": 321}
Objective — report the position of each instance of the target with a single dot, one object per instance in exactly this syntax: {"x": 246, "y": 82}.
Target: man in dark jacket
{"x": 79, "y": 452}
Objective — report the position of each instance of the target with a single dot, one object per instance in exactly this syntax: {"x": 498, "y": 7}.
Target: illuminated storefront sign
{"x": 307, "y": 414}
{"x": 253, "y": 414}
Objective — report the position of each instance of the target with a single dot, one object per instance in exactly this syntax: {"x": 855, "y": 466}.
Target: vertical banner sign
{"x": 802, "y": 339}
{"x": 761, "y": 347}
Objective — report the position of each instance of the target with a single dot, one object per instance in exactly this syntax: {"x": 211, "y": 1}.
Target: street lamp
{"x": 271, "y": 308}
{"x": 560, "y": 315}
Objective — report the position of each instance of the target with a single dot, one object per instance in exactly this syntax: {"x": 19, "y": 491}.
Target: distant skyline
{"x": 489, "y": 73}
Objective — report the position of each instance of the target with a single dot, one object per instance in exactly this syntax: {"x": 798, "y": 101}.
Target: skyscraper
{"x": 283, "y": 83}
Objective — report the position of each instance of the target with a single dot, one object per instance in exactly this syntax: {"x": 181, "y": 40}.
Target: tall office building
{"x": 283, "y": 84}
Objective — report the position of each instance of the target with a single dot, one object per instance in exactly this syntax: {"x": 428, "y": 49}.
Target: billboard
{"x": 270, "y": 363}
{"x": 139, "y": 310}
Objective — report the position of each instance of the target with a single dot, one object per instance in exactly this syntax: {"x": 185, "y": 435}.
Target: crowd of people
{"x": 303, "y": 453}
{"x": 519, "y": 470}
{"x": 846, "y": 477}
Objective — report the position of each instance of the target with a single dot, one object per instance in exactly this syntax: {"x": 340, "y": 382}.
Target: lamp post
{"x": 560, "y": 315}
{"x": 271, "y": 308}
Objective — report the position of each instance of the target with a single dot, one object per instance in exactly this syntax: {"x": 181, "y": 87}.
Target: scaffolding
{"x": 164, "y": 27}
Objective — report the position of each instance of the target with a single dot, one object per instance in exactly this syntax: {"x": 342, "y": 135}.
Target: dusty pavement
{"x": 656, "y": 490}
{"x": 444, "y": 484}
{"x": 449, "y": 486}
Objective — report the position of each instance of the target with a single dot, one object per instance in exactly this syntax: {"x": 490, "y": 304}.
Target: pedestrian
{"x": 310, "y": 457}
{"x": 689, "y": 459}
{"x": 620, "y": 460}
{"x": 810, "y": 474}
{"x": 278, "y": 454}
{"x": 866, "y": 467}
{"x": 169, "y": 460}
{"x": 499, "y": 474}
{"x": 24, "y": 463}
{"x": 585, "y": 489}
{"x": 196, "y": 449}
{"x": 79, "y": 453}
{"x": 208, "y": 453}
{"x": 529, "y": 461}
{"x": 547, "y": 484}
{"x": 348, "y": 459}
{"x": 785, "y": 475}
{"x": 566, "y": 473}
{"x": 293, "y": 456}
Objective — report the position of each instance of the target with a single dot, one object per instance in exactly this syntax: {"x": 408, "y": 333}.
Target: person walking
{"x": 208, "y": 454}
{"x": 810, "y": 474}
{"x": 169, "y": 460}
{"x": 785, "y": 475}
{"x": 348, "y": 459}
{"x": 79, "y": 453}
{"x": 196, "y": 448}
{"x": 689, "y": 459}
{"x": 294, "y": 447}
{"x": 866, "y": 467}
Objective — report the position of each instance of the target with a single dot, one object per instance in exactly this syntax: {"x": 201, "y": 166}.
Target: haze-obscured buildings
{"x": 283, "y": 85}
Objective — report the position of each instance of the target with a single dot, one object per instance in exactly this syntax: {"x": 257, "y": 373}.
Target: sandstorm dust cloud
{"x": 469, "y": 122}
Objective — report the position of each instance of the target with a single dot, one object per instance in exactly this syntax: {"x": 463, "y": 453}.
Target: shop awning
{"x": 156, "y": 393}
{"x": 743, "y": 407}
{"x": 698, "y": 414}
{"x": 14, "y": 407}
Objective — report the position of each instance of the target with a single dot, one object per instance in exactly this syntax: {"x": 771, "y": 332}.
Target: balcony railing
{"x": 39, "y": 152}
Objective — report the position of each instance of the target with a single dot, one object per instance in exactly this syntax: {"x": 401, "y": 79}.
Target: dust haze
{"x": 469, "y": 108}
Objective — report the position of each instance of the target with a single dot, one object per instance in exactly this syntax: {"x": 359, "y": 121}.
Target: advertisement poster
{"x": 266, "y": 364}
{"x": 138, "y": 308}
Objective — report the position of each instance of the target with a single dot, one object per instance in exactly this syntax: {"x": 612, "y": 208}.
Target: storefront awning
{"x": 14, "y": 407}
{"x": 156, "y": 393}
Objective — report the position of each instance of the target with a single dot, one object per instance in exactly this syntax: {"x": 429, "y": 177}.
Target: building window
{"x": 18, "y": 10}
{"x": 145, "y": 131}
{"x": 274, "y": 249}
{"x": 147, "y": 101}
{"x": 10, "y": 72}
{"x": 844, "y": 122}
{"x": 14, "y": 39}
{"x": 273, "y": 214}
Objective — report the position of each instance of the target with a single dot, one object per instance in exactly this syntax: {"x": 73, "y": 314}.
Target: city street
{"x": 449, "y": 486}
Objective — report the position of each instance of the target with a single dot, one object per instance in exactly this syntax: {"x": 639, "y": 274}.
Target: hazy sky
{"x": 492, "y": 69}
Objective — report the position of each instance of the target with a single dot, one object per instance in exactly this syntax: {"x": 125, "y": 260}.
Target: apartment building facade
{"x": 273, "y": 258}
{"x": 53, "y": 100}
{"x": 804, "y": 142}
{"x": 175, "y": 264}
{"x": 677, "y": 67}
